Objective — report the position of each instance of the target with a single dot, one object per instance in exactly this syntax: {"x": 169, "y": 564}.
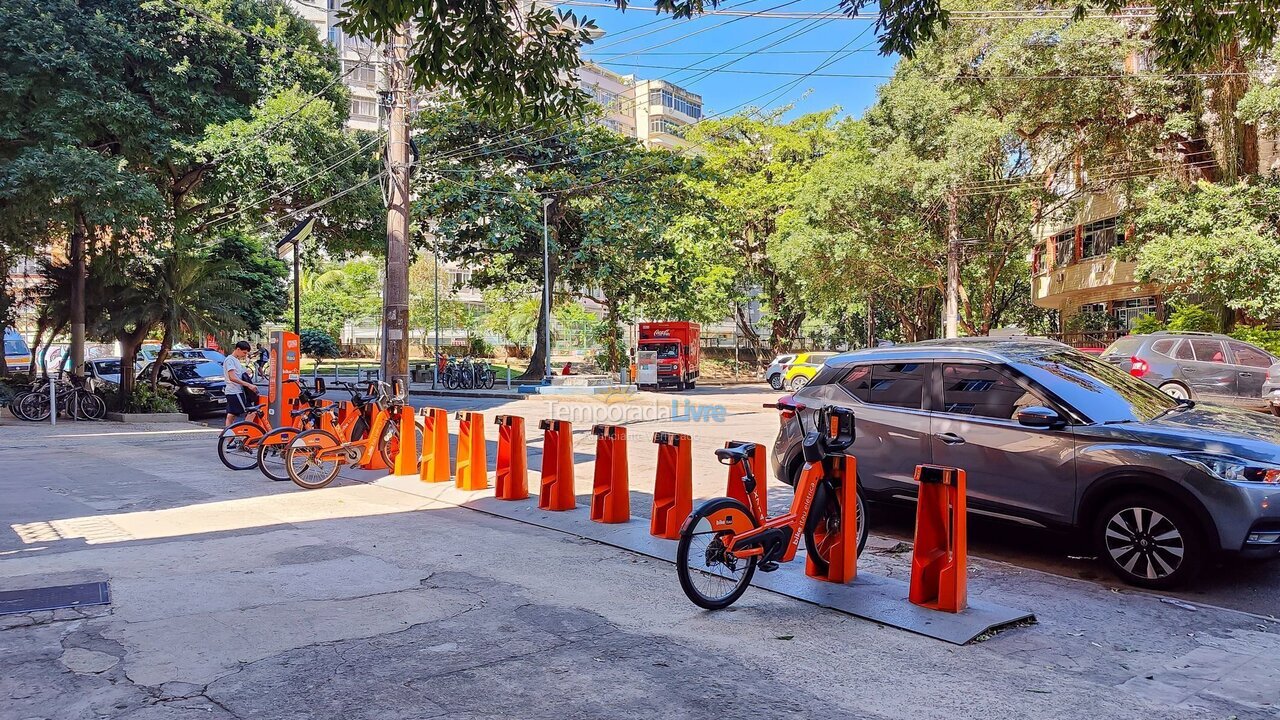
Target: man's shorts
{"x": 235, "y": 404}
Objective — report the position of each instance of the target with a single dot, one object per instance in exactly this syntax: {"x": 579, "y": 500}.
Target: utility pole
{"x": 395, "y": 297}
{"x": 435, "y": 288}
{"x": 952, "y": 310}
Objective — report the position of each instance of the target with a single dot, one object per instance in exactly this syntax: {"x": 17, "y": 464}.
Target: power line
{"x": 868, "y": 76}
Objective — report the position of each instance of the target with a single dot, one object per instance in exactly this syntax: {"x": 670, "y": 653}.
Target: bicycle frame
{"x": 378, "y": 417}
{"x": 747, "y": 541}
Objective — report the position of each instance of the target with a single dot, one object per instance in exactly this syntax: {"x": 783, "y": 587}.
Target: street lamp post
{"x": 295, "y": 237}
{"x": 435, "y": 287}
{"x": 546, "y": 284}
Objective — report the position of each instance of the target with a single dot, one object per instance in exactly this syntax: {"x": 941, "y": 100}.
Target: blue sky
{"x": 660, "y": 44}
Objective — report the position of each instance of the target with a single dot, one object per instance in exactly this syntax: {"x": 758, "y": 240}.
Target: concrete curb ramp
{"x": 871, "y": 597}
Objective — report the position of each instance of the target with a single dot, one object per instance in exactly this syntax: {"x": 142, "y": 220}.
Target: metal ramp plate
{"x": 54, "y": 598}
{"x": 871, "y": 597}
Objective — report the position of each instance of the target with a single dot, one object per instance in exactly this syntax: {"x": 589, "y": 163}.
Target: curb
{"x": 473, "y": 394}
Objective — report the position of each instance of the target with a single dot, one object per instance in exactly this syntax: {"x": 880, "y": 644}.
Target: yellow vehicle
{"x": 801, "y": 370}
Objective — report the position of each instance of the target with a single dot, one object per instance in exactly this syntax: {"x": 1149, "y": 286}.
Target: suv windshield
{"x": 1101, "y": 391}
{"x": 107, "y": 367}
{"x": 196, "y": 371}
{"x": 1124, "y": 346}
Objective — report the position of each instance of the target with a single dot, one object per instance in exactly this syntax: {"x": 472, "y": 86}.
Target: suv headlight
{"x": 1233, "y": 469}
{"x": 191, "y": 390}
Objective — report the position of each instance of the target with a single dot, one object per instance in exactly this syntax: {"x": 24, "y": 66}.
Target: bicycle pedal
{"x": 768, "y": 566}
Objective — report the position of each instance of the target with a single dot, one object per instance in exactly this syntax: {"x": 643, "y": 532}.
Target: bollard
{"x": 406, "y": 460}
{"x": 512, "y": 474}
{"x": 758, "y": 501}
{"x": 940, "y": 557}
{"x": 841, "y": 546}
{"x": 434, "y": 467}
{"x": 557, "y": 466}
{"x": 673, "y": 485}
{"x": 611, "y": 489}
{"x": 472, "y": 469}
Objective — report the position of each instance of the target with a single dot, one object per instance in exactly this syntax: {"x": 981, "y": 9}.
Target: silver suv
{"x": 1196, "y": 366}
{"x": 1052, "y": 437}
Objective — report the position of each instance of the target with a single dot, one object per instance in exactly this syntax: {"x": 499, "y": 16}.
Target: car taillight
{"x": 787, "y": 408}
{"x": 1139, "y": 367}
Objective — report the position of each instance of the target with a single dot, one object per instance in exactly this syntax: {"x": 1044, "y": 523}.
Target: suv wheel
{"x": 775, "y": 381}
{"x": 1178, "y": 391}
{"x": 1149, "y": 541}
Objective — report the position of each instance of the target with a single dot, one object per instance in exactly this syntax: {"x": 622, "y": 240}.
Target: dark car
{"x": 198, "y": 384}
{"x": 1196, "y": 366}
{"x": 1051, "y": 437}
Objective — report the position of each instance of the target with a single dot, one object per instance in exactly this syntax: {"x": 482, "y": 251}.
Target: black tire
{"x": 232, "y": 449}
{"x": 16, "y": 406}
{"x": 271, "y": 453}
{"x": 451, "y": 381}
{"x": 824, "y": 522}
{"x": 92, "y": 407}
{"x": 1149, "y": 541}
{"x": 490, "y": 377}
{"x": 303, "y": 469}
{"x": 689, "y": 534}
{"x": 1176, "y": 390}
{"x": 775, "y": 381}
{"x": 390, "y": 435}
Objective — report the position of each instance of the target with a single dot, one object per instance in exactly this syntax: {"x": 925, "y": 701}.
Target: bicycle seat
{"x": 738, "y": 453}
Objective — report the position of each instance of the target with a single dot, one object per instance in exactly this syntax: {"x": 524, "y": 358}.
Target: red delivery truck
{"x": 678, "y": 345}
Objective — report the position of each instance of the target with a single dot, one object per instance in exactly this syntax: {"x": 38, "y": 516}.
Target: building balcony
{"x": 1090, "y": 280}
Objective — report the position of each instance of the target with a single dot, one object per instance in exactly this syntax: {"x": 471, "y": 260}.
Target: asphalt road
{"x": 1247, "y": 586}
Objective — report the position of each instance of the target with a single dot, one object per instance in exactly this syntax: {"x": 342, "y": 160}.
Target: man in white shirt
{"x": 233, "y": 371}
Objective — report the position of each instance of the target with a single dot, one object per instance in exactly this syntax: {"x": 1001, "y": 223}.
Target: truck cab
{"x": 677, "y": 346}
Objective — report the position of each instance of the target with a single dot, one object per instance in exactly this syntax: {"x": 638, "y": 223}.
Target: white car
{"x": 773, "y": 374}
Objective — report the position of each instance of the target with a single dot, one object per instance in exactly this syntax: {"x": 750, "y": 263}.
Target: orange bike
{"x": 309, "y": 415}
{"x": 724, "y": 541}
{"x": 239, "y": 442}
{"x": 369, "y": 424}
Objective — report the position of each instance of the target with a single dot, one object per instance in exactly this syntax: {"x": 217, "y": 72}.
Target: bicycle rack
{"x": 434, "y": 467}
{"x": 406, "y": 460}
{"x": 940, "y": 556}
{"x": 512, "y": 474}
{"x": 673, "y": 485}
{"x": 842, "y": 566}
{"x": 737, "y": 490}
{"x": 472, "y": 469}
{"x": 610, "y": 489}
{"x": 556, "y": 492}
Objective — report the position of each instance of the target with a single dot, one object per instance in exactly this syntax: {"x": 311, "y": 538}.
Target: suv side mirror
{"x": 1038, "y": 416}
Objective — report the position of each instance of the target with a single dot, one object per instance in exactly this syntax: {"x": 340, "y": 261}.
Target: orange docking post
{"x": 673, "y": 485}
{"x": 940, "y": 557}
{"x": 738, "y": 491}
{"x": 557, "y": 466}
{"x": 841, "y": 542}
{"x": 434, "y": 467}
{"x": 611, "y": 489}
{"x": 512, "y": 474}
{"x": 472, "y": 470}
{"x": 406, "y": 460}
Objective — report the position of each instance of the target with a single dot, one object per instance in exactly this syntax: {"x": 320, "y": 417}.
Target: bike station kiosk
{"x": 282, "y": 388}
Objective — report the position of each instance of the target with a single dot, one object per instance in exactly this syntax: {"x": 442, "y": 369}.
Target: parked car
{"x": 198, "y": 384}
{"x": 1271, "y": 389}
{"x": 1196, "y": 366}
{"x": 196, "y": 354}
{"x": 773, "y": 374}
{"x": 1052, "y": 437}
{"x": 104, "y": 371}
{"x": 803, "y": 368}
{"x": 17, "y": 354}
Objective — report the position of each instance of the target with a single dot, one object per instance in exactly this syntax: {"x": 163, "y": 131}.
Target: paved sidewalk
{"x": 235, "y": 597}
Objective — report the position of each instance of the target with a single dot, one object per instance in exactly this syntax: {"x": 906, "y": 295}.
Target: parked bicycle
{"x": 724, "y": 542}
{"x": 369, "y": 424}
{"x": 239, "y": 442}
{"x": 75, "y": 398}
{"x": 467, "y": 374}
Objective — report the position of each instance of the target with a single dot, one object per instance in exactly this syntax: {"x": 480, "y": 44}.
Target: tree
{"x": 318, "y": 344}
{"x": 334, "y": 294}
{"x": 431, "y": 297}
{"x": 1217, "y": 244}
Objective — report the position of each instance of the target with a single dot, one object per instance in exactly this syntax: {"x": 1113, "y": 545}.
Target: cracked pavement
{"x": 235, "y": 597}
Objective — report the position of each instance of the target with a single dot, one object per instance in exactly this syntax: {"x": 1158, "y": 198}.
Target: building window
{"x": 364, "y": 109}
{"x": 1128, "y": 311}
{"x": 1100, "y": 238}
{"x": 1064, "y": 248}
{"x": 675, "y": 101}
{"x": 359, "y": 73}
{"x": 659, "y": 124}
{"x": 1037, "y": 258}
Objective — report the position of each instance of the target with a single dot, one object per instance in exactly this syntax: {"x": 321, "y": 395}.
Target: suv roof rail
{"x": 1185, "y": 332}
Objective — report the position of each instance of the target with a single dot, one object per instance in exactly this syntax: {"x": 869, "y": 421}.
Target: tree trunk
{"x": 166, "y": 342}
{"x": 78, "y": 275}
{"x": 539, "y": 361}
{"x": 611, "y": 317}
{"x": 130, "y": 343}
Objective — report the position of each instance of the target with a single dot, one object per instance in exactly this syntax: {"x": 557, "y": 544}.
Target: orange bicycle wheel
{"x": 710, "y": 575}
{"x": 311, "y": 459}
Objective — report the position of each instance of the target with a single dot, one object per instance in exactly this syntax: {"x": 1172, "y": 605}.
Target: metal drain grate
{"x": 53, "y": 598}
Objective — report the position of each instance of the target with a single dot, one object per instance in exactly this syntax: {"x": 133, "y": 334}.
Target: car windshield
{"x": 107, "y": 367}
{"x": 1100, "y": 390}
{"x": 196, "y": 371}
{"x": 667, "y": 351}
{"x": 1124, "y": 346}
{"x": 14, "y": 344}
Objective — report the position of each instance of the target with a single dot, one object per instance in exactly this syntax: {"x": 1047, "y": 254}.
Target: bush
{"x": 1146, "y": 325}
{"x": 1194, "y": 318}
{"x": 318, "y": 344}
{"x": 477, "y": 347}
{"x": 144, "y": 400}
{"x": 1092, "y": 321}
{"x": 1268, "y": 340}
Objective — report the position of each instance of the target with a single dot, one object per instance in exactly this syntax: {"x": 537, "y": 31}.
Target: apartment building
{"x": 651, "y": 111}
